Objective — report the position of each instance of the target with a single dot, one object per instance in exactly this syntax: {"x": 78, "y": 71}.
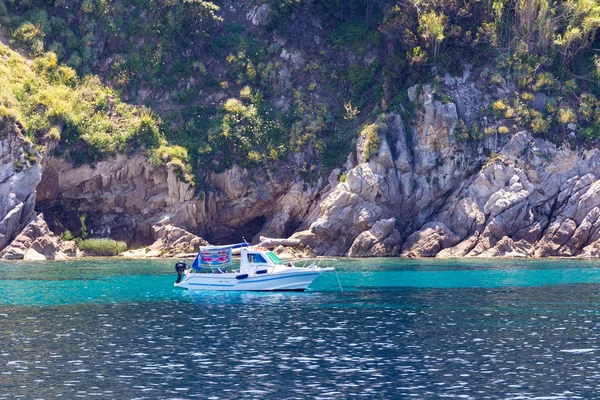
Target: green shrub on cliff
{"x": 102, "y": 247}
{"x": 371, "y": 133}
{"x": 293, "y": 71}
{"x": 67, "y": 235}
{"x": 8, "y": 118}
{"x": 355, "y": 36}
{"x": 49, "y": 101}
{"x": 361, "y": 77}
{"x": 30, "y": 35}
{"x": 545, "y": 82}
{"x": 177, "y": 157}
{"x": 540, "y": 125}
{"x": 248, "y": 132}
{"x": 499, "y": 107}
{"x": 566, "y": 115}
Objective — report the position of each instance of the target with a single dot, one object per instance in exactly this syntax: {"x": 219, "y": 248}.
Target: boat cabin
{"x": 255, "y": 260}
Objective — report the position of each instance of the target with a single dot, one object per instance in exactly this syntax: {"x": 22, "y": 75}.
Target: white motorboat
{"x": 260, "y": 270}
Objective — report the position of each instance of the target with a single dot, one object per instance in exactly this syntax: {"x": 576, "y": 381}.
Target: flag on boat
{"x": 215, "y": 256}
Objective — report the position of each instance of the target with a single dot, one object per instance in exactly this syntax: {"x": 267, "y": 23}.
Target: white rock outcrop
{"x": 536, "y": 200}
{"x": 259, "y": 15}
{"x": 399, "y": 187}
{"x": 20, "y": 173}
{"x": 36, "y": 242}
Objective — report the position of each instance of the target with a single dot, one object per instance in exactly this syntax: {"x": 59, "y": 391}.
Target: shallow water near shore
{"x": 114, "y": 328}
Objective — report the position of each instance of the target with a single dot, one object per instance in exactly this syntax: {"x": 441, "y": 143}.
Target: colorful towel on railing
{"x": 215, "y": 256}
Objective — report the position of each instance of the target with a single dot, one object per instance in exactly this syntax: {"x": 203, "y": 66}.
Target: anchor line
{"x": 338, "y": 279}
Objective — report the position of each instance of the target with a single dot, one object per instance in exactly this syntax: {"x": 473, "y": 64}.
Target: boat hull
{"x": 289, "y": 281}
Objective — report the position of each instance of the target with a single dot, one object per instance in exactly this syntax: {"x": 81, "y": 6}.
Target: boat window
{"x": 256, "y": 258}
{"x": 274, "y": 257}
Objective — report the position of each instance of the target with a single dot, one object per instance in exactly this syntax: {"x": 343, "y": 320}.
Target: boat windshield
{"x": 274, "y": 258}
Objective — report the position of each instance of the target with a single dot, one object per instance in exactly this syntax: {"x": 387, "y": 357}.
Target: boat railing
{"x": 315, "y": 261}
{"x": 212, "y": 270}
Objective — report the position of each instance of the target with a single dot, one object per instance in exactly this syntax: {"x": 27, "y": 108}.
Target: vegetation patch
{"x": 176, "y": 157}
{"x": 372, "y": 133}
{"x": 102, "y": 247}
{"x": 89, "y": 121}
{"x": 354, "y": 35}
{"x": 227, "y": 92}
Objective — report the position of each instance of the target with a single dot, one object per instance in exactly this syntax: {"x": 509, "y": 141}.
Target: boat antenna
{"x": 244, "y": 239}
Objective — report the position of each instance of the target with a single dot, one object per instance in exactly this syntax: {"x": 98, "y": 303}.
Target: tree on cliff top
{"x": 431, "y": 28}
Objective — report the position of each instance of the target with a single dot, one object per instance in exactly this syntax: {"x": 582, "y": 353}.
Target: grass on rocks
{"x": 102, "y": 247}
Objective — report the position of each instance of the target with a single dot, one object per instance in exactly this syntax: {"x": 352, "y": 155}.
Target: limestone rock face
{"x": 20, "y": 173}
{"x": 37, "y": 242}
{"x": 380, "y": 241}
{"x": 259, "y": 15}
{"x": 395, "y": 191}
{"x": 125, "y": 198}
{"x": 412, "y": 190}
{"x": 532, "y": 200}
{"x": 470, "y": 98}
{"x": 461, "y": 249}
{"x": 506, "y": 247}
{"x": 447, "y": 199}
{"x": 429, "y": 240}
{"x": 289, "y": 253}
{"x": 256, "y": 203}
{"x": 121, "y": 197}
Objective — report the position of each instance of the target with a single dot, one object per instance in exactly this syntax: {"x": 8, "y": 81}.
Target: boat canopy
{"x": 215, "y": 256}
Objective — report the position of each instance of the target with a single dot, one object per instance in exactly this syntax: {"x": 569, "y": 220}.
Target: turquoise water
{"x": 113, "y": 328}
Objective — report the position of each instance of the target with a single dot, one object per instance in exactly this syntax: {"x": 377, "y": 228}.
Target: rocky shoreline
{"x": 413, "y": 191}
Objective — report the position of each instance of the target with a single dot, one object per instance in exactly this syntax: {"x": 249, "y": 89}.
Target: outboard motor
{"x": 180, "y": 267}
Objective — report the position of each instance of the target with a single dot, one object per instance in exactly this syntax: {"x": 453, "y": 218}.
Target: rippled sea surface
{"x": 468, "y": 329}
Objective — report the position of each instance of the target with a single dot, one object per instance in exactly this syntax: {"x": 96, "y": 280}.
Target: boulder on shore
{"x": 429, "y": 240}
{"x": 170, "y": 242}
{"x": 37, "y": 242}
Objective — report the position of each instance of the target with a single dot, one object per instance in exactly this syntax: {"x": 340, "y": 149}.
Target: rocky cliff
{"x": 533, "y": 199}
{"x": 423, "y": 194}
{"x": 396, "y": 190}
{"x": 128, "y": 198}
{"x": 122, "y": 197}
{"x": 410, "y": 188}
{"x": 20, "y": 173}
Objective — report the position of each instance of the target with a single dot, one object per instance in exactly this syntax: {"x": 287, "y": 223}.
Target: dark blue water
{"x": 423, "y": 329}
